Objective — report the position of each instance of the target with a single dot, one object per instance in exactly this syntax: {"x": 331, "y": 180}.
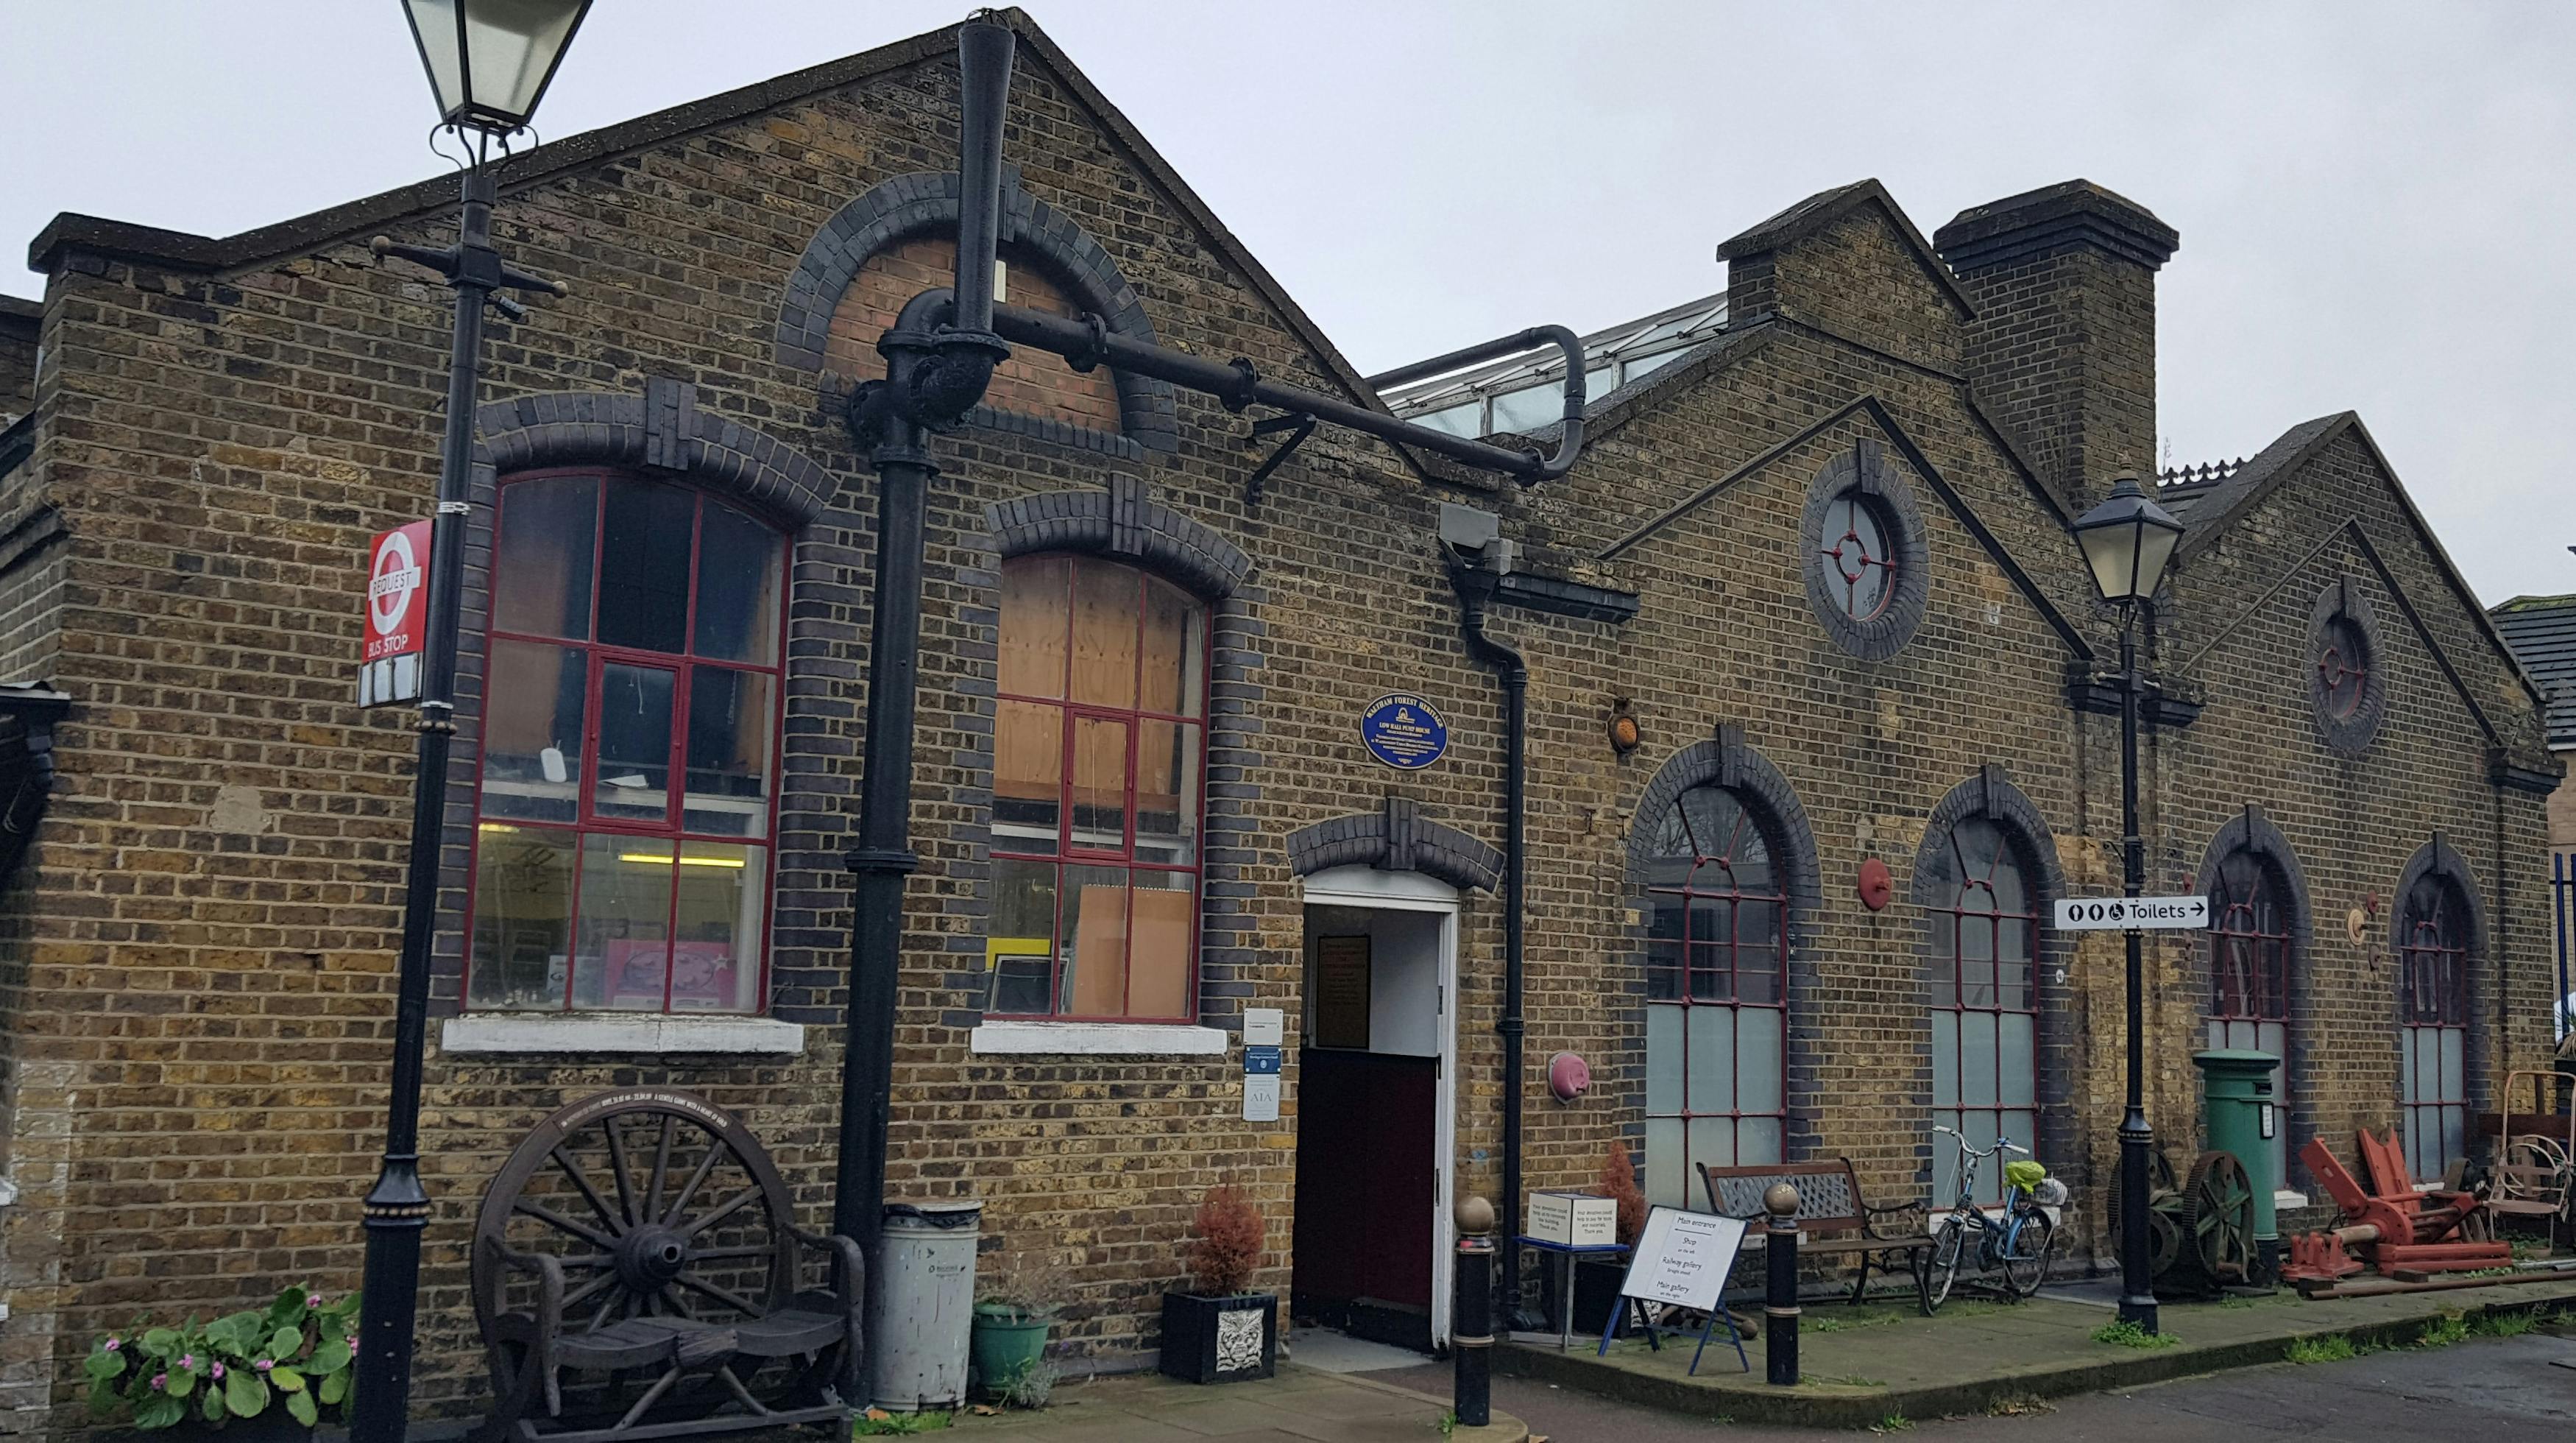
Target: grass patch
{"x": 2453, "y": 1328}
{"x": 2130, "y": 1335}
{"x": 1893, "y": 1423}
{"x": 2504, "y": 1325}
{"x": 2322, "y": 1350}
{"x": 877, "y": 1422}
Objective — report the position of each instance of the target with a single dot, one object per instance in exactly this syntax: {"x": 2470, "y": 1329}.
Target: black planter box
{"x": 1193, "y": 1326}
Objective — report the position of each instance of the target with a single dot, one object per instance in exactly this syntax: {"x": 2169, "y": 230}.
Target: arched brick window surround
{"x": 1124, "y": 522}
{"x": 2437, "y": 857}
{"x": 1991, "y": 795}
{"x": 661, "y": 430}
{"x": 1864, "y": 468}
{"x": 1727, "y": 760}
{"x": 925, "y": 202}
{"x": 1396, "y": 838}
{"x": 2249, "y": 830}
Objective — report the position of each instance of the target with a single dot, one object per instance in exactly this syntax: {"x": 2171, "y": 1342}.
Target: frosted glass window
{"x": 2433, "y": 1003}
{"x": 1717, "y": 1021}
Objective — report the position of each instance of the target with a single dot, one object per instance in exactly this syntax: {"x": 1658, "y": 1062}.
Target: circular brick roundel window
{"x": 2345, "y": 684}
{"x": 1862, "y": 537}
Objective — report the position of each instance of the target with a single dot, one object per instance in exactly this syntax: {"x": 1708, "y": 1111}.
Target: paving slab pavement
{"x": 1861, "y": 1365}
{"x": 1299, "y": 1405}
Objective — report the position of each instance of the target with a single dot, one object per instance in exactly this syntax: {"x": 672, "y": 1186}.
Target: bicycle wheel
{"x": 1941, "y": 1270}
{"x": 2025, "y": 1258}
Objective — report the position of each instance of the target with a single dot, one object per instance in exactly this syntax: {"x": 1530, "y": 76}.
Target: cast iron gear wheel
{"x": 2164, "y": 1213}
{"x": 2219, "y": 1211}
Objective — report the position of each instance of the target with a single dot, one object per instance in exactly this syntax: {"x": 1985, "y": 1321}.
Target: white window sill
{"x": 1097, "y": 1039}
{"x": 2284, "y": 1198}
{"x": 509, "y": 1033}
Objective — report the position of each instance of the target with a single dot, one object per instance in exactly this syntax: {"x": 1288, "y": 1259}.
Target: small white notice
{"x": 1261, "y": 1097}
{"x": 1682, "y": 1258}
{"x": 1264, "y": 1027}
{"x": 2121, "y": 914}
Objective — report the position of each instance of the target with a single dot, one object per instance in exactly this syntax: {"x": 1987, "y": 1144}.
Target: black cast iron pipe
{"x": 1087, "y": 341}
{"x": 1475, "y": 586}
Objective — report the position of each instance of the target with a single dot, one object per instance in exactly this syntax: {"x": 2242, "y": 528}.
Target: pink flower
{"x": 160, "y": 1381}
{"x": 219, "y": 1372}
{"x": 115, "y": 1343}
{"x": 312, "y": 1300}
{"x": 187, "y": 1362}
{"x": 264, "y": 1364}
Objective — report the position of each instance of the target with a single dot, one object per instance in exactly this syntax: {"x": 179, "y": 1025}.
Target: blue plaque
{"x": 1261, "y": 1057}
{"x": 1401, "y": 730}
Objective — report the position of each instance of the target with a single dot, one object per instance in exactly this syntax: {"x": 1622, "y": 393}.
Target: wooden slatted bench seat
{"x": 1833, "y": 1217}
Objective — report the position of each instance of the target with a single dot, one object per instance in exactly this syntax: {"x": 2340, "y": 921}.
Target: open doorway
{"x": 1375, "y": 1109}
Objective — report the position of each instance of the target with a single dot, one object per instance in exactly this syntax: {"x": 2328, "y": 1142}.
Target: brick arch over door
{"x": 1397, "y": 838}
{"x": 1991, "y": 796}
{"x": 2251, "y": 831}
{"x": 1728, "y": 761}
{"x": 661, "y": 431}
{"x": 925, "y": 203}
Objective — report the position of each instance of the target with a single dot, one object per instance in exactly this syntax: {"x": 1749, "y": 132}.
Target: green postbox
{"x": 2243, "y": 1116}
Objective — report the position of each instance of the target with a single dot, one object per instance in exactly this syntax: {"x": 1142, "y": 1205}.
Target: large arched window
{"x": 1098, "y": 752}
{"x": 1985, "y": 998}
{"x": 2433, "y": 931}
{"x": 630, "y": 739}
{"x": 2251, "y": 938}
{"x": 1716, "y": 1010}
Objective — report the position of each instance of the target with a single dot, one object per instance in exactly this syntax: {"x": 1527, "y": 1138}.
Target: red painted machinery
{"x": 2396, "y": 1228}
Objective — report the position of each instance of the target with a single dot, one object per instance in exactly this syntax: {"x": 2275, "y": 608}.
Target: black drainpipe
{"x": 1475, "y": 585}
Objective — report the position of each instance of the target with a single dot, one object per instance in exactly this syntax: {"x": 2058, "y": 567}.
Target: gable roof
{"x": 69, "y": 233}
{"x": 2212, "y": 515}
{"x": 1819, "y": 211}
{"x": 2542, "y": 632}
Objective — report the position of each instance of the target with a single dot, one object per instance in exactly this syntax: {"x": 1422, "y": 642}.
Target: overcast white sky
{"x": 2375, "y": 200}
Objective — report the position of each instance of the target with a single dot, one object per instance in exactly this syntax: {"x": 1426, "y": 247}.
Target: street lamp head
{"x": 2127, "y": 540}
{"x": 489, "y": 60}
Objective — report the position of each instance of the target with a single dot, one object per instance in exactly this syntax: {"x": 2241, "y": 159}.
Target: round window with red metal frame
{"x": 2347, "y": 686}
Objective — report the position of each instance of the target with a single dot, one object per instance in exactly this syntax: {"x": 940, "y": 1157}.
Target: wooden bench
{"x": 1832, "y": 1216}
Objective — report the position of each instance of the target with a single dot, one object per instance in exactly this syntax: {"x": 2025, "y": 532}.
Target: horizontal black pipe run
{"x": 1087, "y": 342}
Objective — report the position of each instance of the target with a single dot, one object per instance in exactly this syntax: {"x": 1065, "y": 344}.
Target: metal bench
{"x": 637, "y": 1274}
{"x": 1833, "y": 1219}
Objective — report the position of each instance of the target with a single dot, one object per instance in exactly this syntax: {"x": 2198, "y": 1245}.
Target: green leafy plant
{"x": 2505, "y": 1325}
{"x": 877, "y": 1422}
{"x": 294, "y": 1354}
{"x": 1035, "y": 1387}
{"x": 1893, "y": 1423}
{"x": 2130, "y": 1335}
{"x": 2322, "y": 1350}
{"x": 2452, "y": 1328}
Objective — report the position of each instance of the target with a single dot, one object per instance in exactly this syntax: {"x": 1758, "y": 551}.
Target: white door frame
{"x": 1413, "y": 892}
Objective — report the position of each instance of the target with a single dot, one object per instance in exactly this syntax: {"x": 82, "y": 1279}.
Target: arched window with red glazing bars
{"x": 1985, "y": 999}
{"x": 2433, "y": 1024}
{"x": 1716, "y": 1010}
{"x": 2250, "y": 944}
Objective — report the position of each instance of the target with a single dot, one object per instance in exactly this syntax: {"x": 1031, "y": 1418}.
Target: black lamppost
{"x": 2127, "y": 540}
{"x": 488, "y": 62}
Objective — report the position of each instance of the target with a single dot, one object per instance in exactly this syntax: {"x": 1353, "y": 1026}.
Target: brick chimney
{"x": 2062, "y": 353}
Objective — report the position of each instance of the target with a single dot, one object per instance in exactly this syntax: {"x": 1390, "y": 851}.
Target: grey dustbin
{"x": 921, "y": 1303}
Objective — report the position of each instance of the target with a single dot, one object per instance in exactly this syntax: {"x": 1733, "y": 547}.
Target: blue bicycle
{"x": 2016, "y": 1238}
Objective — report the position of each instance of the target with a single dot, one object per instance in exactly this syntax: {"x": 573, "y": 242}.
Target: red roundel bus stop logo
{"x": 397, "y": 616}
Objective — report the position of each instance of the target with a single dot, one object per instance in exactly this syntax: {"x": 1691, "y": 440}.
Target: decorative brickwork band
{"x": 1863, "y": 474}
{"x": 1396, "y": 839}
{"x": 925, "y": 203}
{"x": 1124, "y": 521}
{"x": 661, "y": 429}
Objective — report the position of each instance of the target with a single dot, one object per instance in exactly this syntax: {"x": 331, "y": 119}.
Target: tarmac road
{"x": 2488, "y": 1390}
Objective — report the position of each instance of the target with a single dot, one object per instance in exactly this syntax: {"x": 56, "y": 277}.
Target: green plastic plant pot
{"x": 1005, "y": 1344}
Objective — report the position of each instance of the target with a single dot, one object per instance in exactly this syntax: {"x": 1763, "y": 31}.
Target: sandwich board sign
{"x": 1682, "y": 1260}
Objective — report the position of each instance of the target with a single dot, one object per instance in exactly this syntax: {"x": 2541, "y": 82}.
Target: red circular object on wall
{"x": 1876, "y": 886}
{"x": 1568, "y": 1076}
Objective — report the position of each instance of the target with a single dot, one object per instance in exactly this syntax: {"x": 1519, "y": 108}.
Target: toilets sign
{"x": 2121, "y": 914}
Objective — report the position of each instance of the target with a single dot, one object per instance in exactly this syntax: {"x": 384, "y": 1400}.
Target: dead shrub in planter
{"x": 1227, "y": 1250}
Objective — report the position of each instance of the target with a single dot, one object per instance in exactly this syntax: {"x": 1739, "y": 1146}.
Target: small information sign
{"x": 1261, "y": 1057}
{"x": 397, "y": 631}
{"x": 1264, "y": 1033}
{"x": 1401, "y": 730}
{"x": 1682, "y": 1258}
{"x": 2121, "y": 914}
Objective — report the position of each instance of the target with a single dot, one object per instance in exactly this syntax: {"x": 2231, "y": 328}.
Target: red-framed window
{"x": 2343, "y": 667}
{"x": 628, "y": 800}
{"x": 1717, "y": 956}
{"x": 2433, "y": 1025}
{"x": 1099, "y": 753}
{"x": 2249, "y": 976}
{"x": 1985, "y": 999}
{"x": 1859, "y": 556}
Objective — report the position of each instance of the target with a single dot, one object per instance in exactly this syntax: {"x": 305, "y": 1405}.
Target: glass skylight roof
{"x": 1528, "y": 392}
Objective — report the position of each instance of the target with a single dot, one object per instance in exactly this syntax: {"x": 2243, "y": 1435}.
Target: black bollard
{"x": 1780, "y": 1294}
{"x": 1471, "y": 1318}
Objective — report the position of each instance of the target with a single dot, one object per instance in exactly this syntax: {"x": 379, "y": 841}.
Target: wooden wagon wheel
{"x": 650, "y": 1204}
{"x": 2220, "y": 1205}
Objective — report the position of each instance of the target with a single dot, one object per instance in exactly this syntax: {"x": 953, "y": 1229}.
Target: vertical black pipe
{"x": 2137, "y": 1286}
{"x": 984, "y": 87}
{"x": 1780, "y": 1289}
{"x": 1475, "y": 590}
{"x": 397, "y": 1207}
